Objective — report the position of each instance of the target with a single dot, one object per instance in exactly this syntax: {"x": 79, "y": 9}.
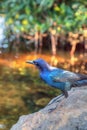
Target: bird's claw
{"x": 56, "y": 99}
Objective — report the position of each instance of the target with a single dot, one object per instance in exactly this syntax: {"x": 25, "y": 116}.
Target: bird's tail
{"x": 79, "y": 83}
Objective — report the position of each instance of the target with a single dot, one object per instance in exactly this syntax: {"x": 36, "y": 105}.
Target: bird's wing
{"x": 66, "y": 76}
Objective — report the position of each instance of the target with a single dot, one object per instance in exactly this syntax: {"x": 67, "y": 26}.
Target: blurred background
{"x": 55, "y": 30}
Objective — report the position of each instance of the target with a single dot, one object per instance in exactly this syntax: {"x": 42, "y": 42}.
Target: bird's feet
{"x": 56, "y": 99}
{"x": 52, "y": 109}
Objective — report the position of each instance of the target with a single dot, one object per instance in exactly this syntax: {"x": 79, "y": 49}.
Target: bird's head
{"x": 39, "y": 63}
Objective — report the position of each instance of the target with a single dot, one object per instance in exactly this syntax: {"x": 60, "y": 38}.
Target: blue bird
{"x": 59, "y": 78}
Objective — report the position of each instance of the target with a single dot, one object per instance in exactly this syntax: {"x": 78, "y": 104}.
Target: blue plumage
{"x": 59, "y": 78}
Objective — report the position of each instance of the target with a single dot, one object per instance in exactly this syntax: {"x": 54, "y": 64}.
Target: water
{"x": 21, "y": 90}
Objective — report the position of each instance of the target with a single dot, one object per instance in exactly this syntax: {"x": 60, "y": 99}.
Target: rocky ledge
{"x": 66, "y": 114}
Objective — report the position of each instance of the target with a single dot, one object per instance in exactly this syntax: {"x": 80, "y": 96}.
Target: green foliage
{"x": 39, "y": 15}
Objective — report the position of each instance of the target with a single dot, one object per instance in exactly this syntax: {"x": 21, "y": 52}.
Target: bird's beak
{"x": 30, "y": 62}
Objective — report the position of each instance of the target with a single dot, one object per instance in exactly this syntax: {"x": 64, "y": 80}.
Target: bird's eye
{"x": 35, "y": 63}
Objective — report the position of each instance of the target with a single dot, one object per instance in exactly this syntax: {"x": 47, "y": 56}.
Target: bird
{"x": 59, "y": 78}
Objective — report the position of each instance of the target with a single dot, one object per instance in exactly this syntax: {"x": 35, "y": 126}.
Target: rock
{"x": 67, "y": 114}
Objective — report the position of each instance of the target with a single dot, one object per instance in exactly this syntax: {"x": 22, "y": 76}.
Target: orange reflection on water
{"x": 20, "y": 61}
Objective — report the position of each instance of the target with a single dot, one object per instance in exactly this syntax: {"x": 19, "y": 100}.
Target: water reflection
{"x": 22, "y": 91}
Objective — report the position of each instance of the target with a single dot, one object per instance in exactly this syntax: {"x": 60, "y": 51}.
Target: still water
{"x": 21, "y": 90}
